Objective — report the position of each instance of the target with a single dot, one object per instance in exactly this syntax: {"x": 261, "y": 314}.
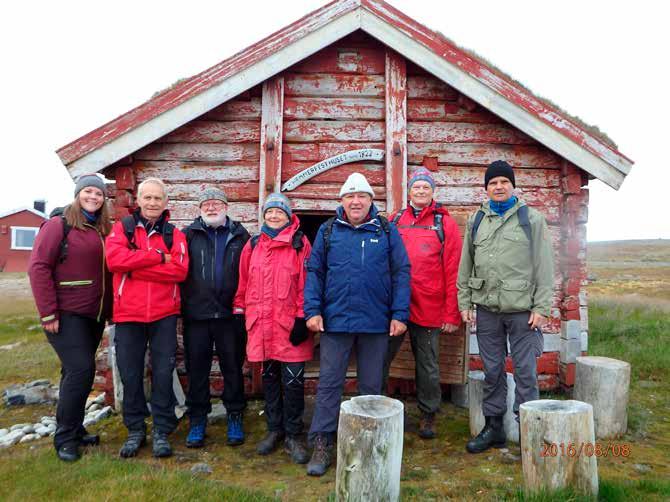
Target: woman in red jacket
{"x": 71, "y": 288}
{"x": 433, "y": 245}
{"x": 270, "y": 294}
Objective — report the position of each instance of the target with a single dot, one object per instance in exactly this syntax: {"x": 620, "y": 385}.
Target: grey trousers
{"x": 526, "y": 345}
{"x": 426, "y": 349}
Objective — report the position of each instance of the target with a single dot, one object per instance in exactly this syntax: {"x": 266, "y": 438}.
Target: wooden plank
{"x": 175, "y": 171}
{"x": 210, "y": 131}
{"x": 271, "y": 138}
{"x": 236, "y": 109}
{"x": 235, "y": 191}
{"x": 374, "y": 173}
{"x": 466, "y": 175}
{"x": 396, "y": 131}
{"x": 483, "y": 154}
{"x": 323, "y": 130}
{"x": 450, "y": 132}
{"x": 339, "y": 58}
{"x": 328, "y": 191}
{"x": 334, "y": 85}
{"x": 312, "y": 152}
{"x": 199, "y": 152}
{"x": 448, "y": 111}
{"x": 188, "y": 210}
{"x": 296, "y": 108}
{"x": 459, "y": 195}
{"x": 429, "y": 87}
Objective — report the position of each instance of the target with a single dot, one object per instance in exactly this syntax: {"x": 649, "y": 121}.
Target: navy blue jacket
{"x": 362, "y": 281}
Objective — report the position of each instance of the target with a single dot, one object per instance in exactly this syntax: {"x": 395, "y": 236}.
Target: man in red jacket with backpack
{"x": 433, "y": 245}
{"x": 148, "y": 257}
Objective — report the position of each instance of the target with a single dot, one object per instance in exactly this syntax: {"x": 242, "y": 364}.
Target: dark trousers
{"x": 526, "y": 345}
{"x": 200, "y": 339}
{"x": 426, "y": 349}
{"x": 131, "y": 339}
{"x": 75, "y": 343}
{"x": 335, "y": 349}
{"x": 284, "y": 389}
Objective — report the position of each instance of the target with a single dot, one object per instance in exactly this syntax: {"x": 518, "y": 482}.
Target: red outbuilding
{"x": 18, "y": 229}
{"x": 359, "y": 86}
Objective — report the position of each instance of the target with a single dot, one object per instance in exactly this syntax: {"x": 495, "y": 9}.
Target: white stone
{"x": 42, "y": 431}
{"x": 94, "y": 407}
{"x": 17, "y": 427}
{"x": 28, "y": 429}
{"x": 571, "y": 349}
{"x": 88, "y": 421}
{"x": 3, "y": 432}
{"x": 29, "y": 437}
{"x": 103, "y": 413}
{"x": 570, "y": 330}
{"x": 12, "y": 438}
{"x": 217, "y": 414}
{"x": 48, "y": 419}
{"x": 476, "y": 400}
{"x": 99, "y": 399}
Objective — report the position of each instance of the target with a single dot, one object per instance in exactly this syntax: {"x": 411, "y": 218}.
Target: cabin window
{"x": 23, "y": 237}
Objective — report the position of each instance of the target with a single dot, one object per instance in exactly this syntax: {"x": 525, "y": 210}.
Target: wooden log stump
{"x": 369, "y": 449}
{"x": 558, "y": 446}
{"x": 603, "y": 383}
{"x": 475, "y": 402}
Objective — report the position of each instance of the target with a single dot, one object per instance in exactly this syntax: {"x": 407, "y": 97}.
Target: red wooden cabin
{"x": 18, "y": 229}
{"x": 359, "y": 74}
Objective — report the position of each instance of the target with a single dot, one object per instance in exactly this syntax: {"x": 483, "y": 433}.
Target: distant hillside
{"x": 647, "y": 251}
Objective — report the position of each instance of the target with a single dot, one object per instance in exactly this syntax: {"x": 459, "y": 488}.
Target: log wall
{"x": 335, "y": 101}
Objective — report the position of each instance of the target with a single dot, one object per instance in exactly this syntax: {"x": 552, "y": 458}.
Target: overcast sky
{"x": 70, "y": 66}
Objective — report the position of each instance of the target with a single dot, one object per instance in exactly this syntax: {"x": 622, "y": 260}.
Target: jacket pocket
{"x": 515, "y": 296}
{"x": 250, "y": 319}
{"x": 478, "y": 293}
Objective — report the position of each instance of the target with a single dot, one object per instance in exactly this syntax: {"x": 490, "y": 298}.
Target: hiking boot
{"x": 426, "y": 424}
{"x": 69, "y": 452}
{"x": 491, "y": 436}
{"x": 270, "y": 442}
{"x": 296, "y": 449}
{"x": 136, "y": 439}
{"x": 196, "y": 433}
{"x": 89, "y": 440}
{"x": 321, "y": 457}
{"x": 235, "y": 432}
{"x": 160, "y": 446}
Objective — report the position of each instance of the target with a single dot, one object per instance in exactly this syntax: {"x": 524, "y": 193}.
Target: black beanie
{"x": 499, "y": 168}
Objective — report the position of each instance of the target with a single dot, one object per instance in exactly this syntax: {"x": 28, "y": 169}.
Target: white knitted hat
{"x": 356, "y": 182}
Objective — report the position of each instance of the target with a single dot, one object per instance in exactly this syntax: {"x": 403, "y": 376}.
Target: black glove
{"x": 299, "y": 333}
{"x": 238, "y": 323}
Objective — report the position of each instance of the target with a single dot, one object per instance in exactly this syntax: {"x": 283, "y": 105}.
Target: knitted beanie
{"x": 421, "y": 174}
{"x": 280, "y": 201}
{"x": 89, "y": 180}
{"x": 499, "y": 168}
{"x": 212, "y": 193}
{"x": 356, "y": 183}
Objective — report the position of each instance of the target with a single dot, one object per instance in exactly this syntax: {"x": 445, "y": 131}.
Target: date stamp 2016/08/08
{"x": 587, "y": 449}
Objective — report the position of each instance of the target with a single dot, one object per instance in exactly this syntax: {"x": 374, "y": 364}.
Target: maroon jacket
{"x": 81, "y": 284}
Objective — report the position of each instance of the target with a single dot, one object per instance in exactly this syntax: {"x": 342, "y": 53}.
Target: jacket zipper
{"x": 102, "y": 298}
{"x": 363, "y": 253}
{"x": 202, "y": 261}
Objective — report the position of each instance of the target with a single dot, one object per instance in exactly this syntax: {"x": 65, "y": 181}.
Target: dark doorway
{"x": 310, "y": 223}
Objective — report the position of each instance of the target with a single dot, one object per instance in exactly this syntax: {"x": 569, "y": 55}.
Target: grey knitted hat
{"x": 89, "y": 180}
{"x": 212, "y": 193}
{"x": 280, "y": 201}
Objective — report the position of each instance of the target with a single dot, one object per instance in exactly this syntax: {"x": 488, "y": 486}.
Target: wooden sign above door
{"x": 365, "y": 154}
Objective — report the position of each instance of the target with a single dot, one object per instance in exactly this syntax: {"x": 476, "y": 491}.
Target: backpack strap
{"x": 296, "y": 241}
{"x": 327, "y": 232}
{"x": 129, "y": 224}
{"x": 479, "y": 216}
{"x": 524, "y": 221}
{"x": 398, "y": 215}
{"x": 384, "y": 223}
{"x": 254, "y": 240}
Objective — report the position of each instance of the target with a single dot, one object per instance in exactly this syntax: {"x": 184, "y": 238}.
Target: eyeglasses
{"x": 213, "y": 205}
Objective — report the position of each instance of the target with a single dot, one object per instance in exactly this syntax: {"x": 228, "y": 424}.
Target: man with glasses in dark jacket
{"x": 215, "y": 243}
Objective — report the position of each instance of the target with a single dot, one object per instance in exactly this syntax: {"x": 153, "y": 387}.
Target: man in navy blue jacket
{"x": 357, "y": 292}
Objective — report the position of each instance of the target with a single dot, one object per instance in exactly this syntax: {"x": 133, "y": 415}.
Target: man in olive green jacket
{"x": 507, "y": 272}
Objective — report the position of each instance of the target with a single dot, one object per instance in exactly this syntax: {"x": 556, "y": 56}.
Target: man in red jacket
{"x": 148, "y": 258}
{"x": 433, "y": 245}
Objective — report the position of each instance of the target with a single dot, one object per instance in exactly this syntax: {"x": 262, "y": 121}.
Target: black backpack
{"x": 129, "y": 225}
{"x": 62, "y": 253}
{"x": 524, "y": 222}
{"x": 383, "y": 222}
{"x": 437, "y": 224}
{"x": 296, "y": 241}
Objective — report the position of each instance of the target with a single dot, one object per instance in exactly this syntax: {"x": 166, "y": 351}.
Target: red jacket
{"x": 434, "y": 270}
{"x": 81, "y": 284}
{"x": 270, "y": 293}
{"x": 145, "y": 288}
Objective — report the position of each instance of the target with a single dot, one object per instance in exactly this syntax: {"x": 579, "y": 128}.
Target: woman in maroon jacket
{"x": 71, "y": 287}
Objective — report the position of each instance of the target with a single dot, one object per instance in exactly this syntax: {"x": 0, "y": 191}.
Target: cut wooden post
{"x": 116, "y": 377}
{"x": 558, "y": 446}
{"x": 476, "y": 400}
{"x": 272, "y": 109}
{"x": 369, "y": 449}
{"x": 396, "y": 131}
{"x": 603, "y": 383}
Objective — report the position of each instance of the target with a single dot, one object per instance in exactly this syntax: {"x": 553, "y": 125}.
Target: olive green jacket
{"x": 503, "y": 277}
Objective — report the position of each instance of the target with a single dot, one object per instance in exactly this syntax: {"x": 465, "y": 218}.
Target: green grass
{"x": 38, "y": 475}
{"x": 609, "y": 491}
